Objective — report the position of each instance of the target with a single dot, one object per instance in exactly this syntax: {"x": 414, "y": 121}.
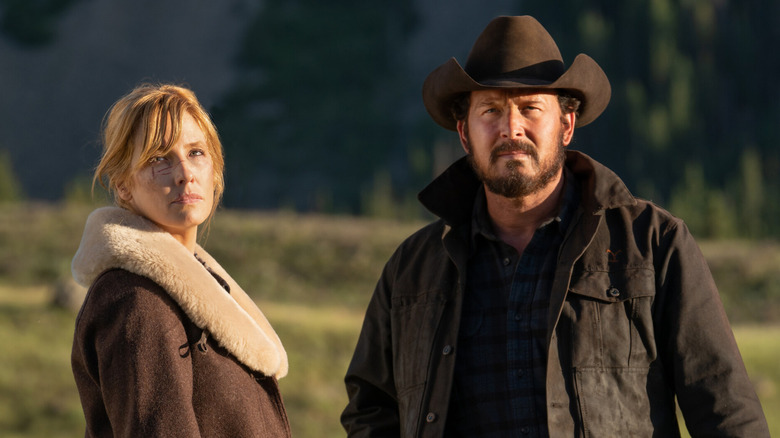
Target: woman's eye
{"x": 198, "y": 152}
{"x": 156, "y": 160}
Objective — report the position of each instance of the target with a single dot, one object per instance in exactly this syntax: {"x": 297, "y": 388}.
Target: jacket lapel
{"x": 116, "y": 238}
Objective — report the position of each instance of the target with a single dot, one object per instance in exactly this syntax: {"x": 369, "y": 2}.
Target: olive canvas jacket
{"x": 161, "y": 348}
{"x": 634, "y": 320}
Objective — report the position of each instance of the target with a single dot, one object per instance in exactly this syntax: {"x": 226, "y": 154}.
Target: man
{"x": 547, "y": 300}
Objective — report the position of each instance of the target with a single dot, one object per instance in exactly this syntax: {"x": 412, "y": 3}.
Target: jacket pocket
{"x": 414, "y": 323}
{"x": 414, "y": 319}
{"x": 609, "y": 318}
{"x": 615, "y": 402}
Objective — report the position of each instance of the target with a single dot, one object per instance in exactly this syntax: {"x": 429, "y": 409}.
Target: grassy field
{"x": 312, "y": 276}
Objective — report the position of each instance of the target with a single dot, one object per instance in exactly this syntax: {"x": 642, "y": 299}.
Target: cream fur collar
{"x": 116, "y": 238}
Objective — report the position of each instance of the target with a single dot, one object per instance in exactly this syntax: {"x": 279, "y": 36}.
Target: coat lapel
{"x": 116, "y": 238}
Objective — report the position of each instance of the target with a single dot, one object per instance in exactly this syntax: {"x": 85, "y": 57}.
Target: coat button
{"x": 613, "y": 292}
{"x": 431, "y": 417}
{"x": 446, "y": 350}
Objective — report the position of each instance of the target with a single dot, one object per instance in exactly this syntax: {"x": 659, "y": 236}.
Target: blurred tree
{"x": 10, "y": 189}
{"x": 79, "y": 191}
{"x": 310, "y": 117}
{"x": 693, "y": 81}
{"x": 689, "y": 201}
{"x": 31, "y": 22}
{"x": 750, "y": 194}
{"x": 311, "y": 123}
{"x": 707, "y": 211}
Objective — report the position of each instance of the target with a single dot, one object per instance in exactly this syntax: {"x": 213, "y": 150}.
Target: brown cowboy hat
{"x": 516, "y": 52}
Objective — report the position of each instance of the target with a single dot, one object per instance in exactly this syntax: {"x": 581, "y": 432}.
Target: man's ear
{"x": 568, "y": 128}
{"x": 464, "y": 141}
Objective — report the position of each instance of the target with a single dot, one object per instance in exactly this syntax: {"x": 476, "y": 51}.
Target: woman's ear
{"x": 124, "y": 193}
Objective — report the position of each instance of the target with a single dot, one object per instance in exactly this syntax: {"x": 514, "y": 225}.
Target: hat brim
{"x": 584, "y": 78}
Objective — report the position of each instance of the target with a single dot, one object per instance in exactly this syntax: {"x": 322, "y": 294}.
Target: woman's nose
{"x": 183, "y": 172}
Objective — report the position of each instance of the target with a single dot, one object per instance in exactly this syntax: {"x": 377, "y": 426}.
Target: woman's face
{"x": 175, "y": 191}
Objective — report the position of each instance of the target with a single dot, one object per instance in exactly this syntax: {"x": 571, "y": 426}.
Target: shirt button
{"x": 431, "y": 417}
{"x": 518, "y": 316}
{"x": 613, "y": 292}
{"x": 447, "y": 350}
{"x": 507, "y": 261}
{"x": 525, "y": 430}
{"x": 520, "y": 373}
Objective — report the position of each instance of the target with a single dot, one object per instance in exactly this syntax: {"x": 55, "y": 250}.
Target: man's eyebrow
{"x": 528, "y": 99}
{"x": 492, "y": 100}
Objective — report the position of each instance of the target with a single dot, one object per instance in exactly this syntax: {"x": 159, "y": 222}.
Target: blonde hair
{"x": 144, "y": 114}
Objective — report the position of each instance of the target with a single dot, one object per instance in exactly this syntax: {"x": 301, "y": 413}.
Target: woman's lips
{"x": 187, "y": 198}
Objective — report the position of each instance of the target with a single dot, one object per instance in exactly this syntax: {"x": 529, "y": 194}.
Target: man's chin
{"x": 515, "y": 172}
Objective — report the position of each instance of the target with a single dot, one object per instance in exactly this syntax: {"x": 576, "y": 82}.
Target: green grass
{"x": 319, "y": 342}
{"x": 37, "y": 394}
{"x": 312, "y": 276}
{"x": 38, "y": 397}
{"x": 760, "y": 348}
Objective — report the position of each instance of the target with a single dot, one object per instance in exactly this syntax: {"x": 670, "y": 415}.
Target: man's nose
{"x": 513, "y": 123}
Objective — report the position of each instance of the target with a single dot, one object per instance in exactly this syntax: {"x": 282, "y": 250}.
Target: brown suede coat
{"x": 161, "y": 348}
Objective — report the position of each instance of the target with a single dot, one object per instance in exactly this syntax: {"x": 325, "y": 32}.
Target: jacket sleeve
{"x": 131, "y": 360}
{"x": 372, "y": 410}
{"x": 713, "y": 390}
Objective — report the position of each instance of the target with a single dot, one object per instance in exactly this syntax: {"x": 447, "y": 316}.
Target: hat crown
{"x": 516, "y": 53}
{"x": 515, "y": 48}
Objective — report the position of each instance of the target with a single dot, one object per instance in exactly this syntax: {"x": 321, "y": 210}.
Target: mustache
{"x": 514, "y": 146}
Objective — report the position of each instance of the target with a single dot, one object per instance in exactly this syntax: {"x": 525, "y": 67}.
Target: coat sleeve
{"x": 131, "y": 360}
{"x": 373, "y": 405}
{"x": 713, "y": 390}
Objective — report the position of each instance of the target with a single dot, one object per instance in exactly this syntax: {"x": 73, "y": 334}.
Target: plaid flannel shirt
{"x": 499, "y": 385}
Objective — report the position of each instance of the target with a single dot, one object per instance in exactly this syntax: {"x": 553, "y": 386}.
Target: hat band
{"x": 513, "y": 82}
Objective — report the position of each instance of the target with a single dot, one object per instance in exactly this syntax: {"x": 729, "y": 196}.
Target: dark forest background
{"x": 322, "y": 112}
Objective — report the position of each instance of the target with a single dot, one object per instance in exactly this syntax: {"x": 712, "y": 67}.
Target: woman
{"x": 166, "y": 343}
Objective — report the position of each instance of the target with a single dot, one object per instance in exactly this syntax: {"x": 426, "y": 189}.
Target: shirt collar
{"x": 480, "y": 220}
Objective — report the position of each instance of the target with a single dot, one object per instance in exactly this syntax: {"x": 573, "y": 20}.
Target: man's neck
{"x": 515, "y": 220}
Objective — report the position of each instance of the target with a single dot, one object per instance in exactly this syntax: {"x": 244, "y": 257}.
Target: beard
{"x": 514, "y": 184}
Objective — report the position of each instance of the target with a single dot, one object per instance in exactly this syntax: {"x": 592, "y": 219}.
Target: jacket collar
{"x": 451, "y": 195}
{"x": 116, "y": 238}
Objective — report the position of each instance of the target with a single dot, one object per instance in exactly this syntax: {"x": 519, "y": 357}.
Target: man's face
{"x": 516, "y": 139}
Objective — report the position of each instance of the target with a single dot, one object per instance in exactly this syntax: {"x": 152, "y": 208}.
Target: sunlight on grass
{"x": 312, "y": 276}
{"x": 760, "y": 348}
{"x": 319, "y": 341}
{"x": 37, "y": 393}
{"x": 38, "y": 397}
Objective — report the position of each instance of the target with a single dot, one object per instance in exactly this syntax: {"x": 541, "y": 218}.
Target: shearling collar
{"x": 116, "y": 238}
